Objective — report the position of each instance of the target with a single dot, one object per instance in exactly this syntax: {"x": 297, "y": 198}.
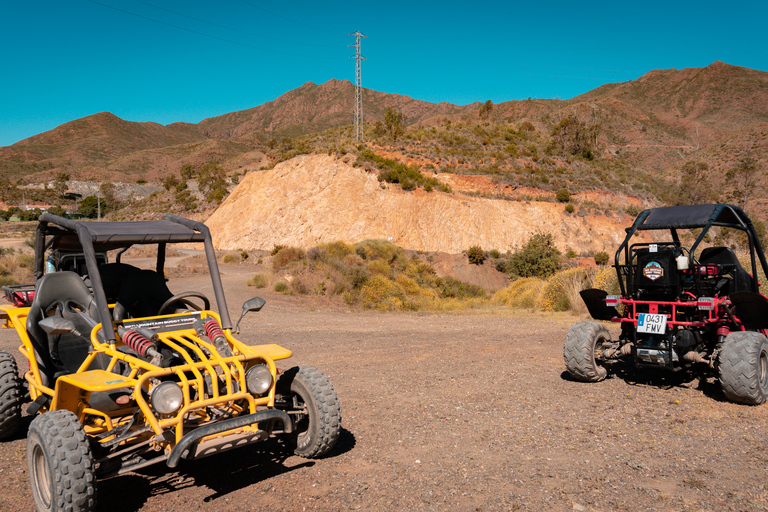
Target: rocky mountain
{"x": 652, "y": 123}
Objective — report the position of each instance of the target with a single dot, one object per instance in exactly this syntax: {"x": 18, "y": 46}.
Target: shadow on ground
{"x": 661, "y": 378}
{"x": 223, "y": 474}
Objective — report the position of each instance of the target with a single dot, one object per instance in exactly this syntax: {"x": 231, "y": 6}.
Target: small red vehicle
{"x": 681, "y": 308}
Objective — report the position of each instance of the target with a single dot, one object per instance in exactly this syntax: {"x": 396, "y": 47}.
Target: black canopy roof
{"x": 107, "y": 236}
{"x": 690, "y": 216}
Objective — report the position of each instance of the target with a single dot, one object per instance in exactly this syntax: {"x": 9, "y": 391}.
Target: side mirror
{"x": 54, "y": 325}
{"x": 254, "y": 304}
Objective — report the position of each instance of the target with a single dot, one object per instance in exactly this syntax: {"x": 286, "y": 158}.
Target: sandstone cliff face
{"x": 316, "y": 199}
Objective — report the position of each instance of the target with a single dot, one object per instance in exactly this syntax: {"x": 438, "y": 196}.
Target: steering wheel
{"x": 166, "y": 308}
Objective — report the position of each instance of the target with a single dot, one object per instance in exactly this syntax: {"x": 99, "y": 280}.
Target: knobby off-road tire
{"x": 11, "y": 396}
{"x": 318, "y": 429}
{"x": 60, "y": 464}
{"x": 581, "y": 342}
{"x": 743, "y": 367}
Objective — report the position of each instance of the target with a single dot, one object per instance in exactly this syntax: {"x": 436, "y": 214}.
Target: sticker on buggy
{"x": 653, "y": 271}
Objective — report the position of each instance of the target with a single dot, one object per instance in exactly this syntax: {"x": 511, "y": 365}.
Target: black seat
{"x": 136, "y": 292}
{"x": 60, "y": 354}
{"x": 727, "y": 262}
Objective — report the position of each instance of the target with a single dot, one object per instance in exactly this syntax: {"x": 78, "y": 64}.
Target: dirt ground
{"x": 461, "y": 411}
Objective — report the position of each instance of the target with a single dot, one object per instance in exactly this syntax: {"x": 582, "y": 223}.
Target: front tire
{"x": 743, "y": 367}
{"x": 60, "y": 464}
{"x": 581, "y": 342}
{"x": 308, "y": 397}
{"x": 10, "y": 396}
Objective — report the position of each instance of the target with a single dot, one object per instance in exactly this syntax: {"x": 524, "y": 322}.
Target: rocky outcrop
{"x": 314, "y": 199}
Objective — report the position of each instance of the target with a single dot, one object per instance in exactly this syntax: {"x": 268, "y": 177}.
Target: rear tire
{"x": 581, "y": 342}
{"x": 60, "y": 464}
{"x": 317, "y": 428}
{"x": 10, "y": 396}
{"x": 743, "y": 367}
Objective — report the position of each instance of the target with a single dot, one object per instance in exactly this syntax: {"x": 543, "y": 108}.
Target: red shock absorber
{"x": 216, "y": 335}
{"x": 723, "y": 331}
{"x": 137, "y": 342}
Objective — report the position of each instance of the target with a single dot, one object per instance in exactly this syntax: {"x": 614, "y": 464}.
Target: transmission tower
{"x": 358, "y": 88}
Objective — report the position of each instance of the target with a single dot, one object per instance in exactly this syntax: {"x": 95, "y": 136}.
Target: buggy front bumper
{"x": 204, "y": 441}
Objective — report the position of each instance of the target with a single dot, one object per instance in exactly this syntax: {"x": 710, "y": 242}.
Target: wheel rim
{"x": 41, "y": 476}
{"x": 597, "y": 353}
{"x": 301, "y": 423}
{"x": 763, "y": 369}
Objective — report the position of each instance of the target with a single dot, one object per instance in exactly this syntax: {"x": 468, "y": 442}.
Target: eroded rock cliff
{"x": 314, "y": 199}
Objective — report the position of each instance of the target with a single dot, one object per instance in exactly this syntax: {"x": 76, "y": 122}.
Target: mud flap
{"x": 594, "y": 299}
{"x": 751, "y": 309}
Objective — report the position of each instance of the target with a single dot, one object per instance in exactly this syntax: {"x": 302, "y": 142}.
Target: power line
{"x": 202, "y": 33}
{"x": 232, "y": 28}
{"x": 287, "y": 19}
{"x": 358, "y": 87}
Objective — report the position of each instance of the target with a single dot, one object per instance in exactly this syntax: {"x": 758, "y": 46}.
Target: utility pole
{"x": 358, "y": 88}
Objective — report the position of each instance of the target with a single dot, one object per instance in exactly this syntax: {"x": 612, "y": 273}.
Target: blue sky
{"x": 172, "y": 60}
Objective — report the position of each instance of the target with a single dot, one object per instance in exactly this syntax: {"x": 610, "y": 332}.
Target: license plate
{"x": 652, "y": 324}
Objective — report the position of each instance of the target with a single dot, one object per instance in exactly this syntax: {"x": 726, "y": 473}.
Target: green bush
{"x": 563, "y": 196}
{"x": 538, "y": 258}
{"x": 570, "y": 208}
{"x": 281, "y": 286}
{"x": 601, "y": 258}
{"x": 476, "y": 255}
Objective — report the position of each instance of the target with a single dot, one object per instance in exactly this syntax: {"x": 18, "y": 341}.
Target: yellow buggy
{"x": 124, "y": 374}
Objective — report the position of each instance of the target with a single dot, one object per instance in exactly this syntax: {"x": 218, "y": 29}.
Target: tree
{"x": 743, "y": 177}
{"x": 60, "y": 182}
{"x": 476, "y": 255}
{"x": 170, "y": 182}
{"x": 572, "y": 137}
{"x": 486, "y": 109}
{"x": 694, "y": 187}
{"x": 107, "y": 190}
{"x": 57, "y": 210}
{"x": 187, "y": 171}
{"x": 89, "y": 207}
{"x": 211, "y": 179}
{"x": 394, "y": 122}
{"x": 539, "y": 258}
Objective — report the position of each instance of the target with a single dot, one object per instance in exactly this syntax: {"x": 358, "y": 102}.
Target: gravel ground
{"x": 461, "y": 411}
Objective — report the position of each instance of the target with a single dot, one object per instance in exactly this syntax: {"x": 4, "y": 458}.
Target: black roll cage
{"x": 703, "y": 216}
{"x": 92, "y": 237}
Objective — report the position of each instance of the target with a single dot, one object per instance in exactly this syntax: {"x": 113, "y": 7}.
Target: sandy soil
{"x": 470, "y": 411}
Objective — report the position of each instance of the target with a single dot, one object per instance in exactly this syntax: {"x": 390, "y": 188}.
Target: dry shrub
{"x": 338, "y": 249}
{"x": 562, "y": 290}
{"x": 258, "y": 281}
{"x": 410, "y": 286}
{"x": 16, "y": 268}
{"x": 286, "y": 255}
{"x": 381, "y": 293}
{"x": 380, "y": 267}
{"x": 606, "y": 279}
{"x": 230, "y": 258}
{"x": 522, "y": 293}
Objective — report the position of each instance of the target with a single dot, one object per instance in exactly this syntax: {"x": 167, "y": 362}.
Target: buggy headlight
{"x": 258, "y": 379}
{"x": 167, "y": 398}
